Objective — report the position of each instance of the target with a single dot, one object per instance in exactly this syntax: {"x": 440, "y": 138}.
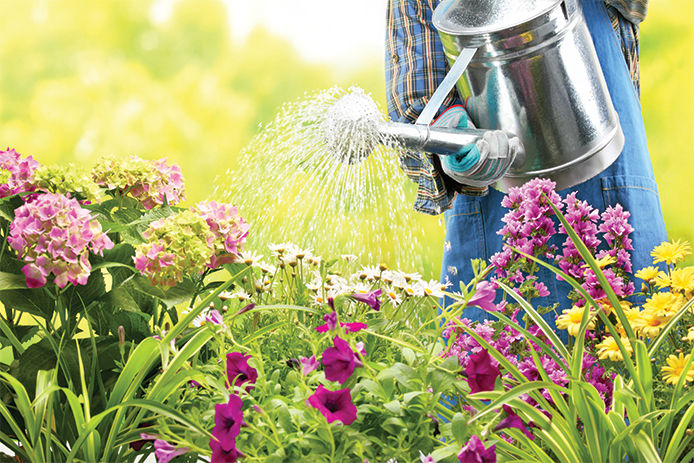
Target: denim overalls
{"x": 472, "y": 223}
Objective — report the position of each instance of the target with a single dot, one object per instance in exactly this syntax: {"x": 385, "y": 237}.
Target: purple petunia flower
{"x": 370, "y": 298}
{"x": 512, "y": 420}
{"x": 334, "y": 405}
{"x": 481, "y": 372}
{"x": 228, "y": 419}
{"x": 330, "y": 322}
{"x": 475, "y": 452}
{"x": 308, "y": 364}
{"x": 484, "y": 296}
{"x": 340, "y": 361}
{"x": 238, "y": 370}
{"x": 219, "y": 455}
{"x": 215, "y": 317}
{"x": 165, "y": 452}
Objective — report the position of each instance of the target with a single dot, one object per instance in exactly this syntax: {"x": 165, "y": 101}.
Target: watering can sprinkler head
{"x": 352, "y": 141}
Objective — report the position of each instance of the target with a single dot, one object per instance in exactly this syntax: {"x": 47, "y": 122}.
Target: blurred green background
{"x": 80, "y": 80}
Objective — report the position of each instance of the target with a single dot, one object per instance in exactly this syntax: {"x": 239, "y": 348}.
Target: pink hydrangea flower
{"x": 16, "y": 173}
{"x": 229, "y": 230}
{"x": 53, "y": 234}
{"x": 153, "y": 183}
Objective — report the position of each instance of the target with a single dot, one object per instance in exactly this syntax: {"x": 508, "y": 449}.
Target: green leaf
{"x": 459, "y": 428}
{"x": 182, "y": 292}
{"x": 12, "y": 281}
{"x": 33, "y": 301}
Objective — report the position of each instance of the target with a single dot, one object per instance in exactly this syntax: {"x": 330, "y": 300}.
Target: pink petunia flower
{"x": 340, "y": 361}
{"x": 475, "y": 452}
{"x": 308, "y": 364}
{"x": 165, "y": 452}
{"x": 334, "y": 405}
{"x": 370, "y": 298}
{"x": 228, "y": 419}
{"x": 238, "y": 370}
{"x": 481, "y": 372}
{"x": 484, "y": 296}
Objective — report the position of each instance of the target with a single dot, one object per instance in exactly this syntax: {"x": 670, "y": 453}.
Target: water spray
{"x": 354, "y": 127}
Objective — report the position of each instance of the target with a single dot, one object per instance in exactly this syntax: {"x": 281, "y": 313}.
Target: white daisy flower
{"x": 393, "y": 297}
{"x": 433, "y": 288}
{"x": 250, "y": 257}
{"x": 349, "y": 257}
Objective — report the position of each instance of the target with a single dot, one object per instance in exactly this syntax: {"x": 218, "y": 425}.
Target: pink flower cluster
{"x": 513, "y": 346}
{"x": 227, "y": 226}
{"x": 151, "y": 182}
{"x": 16, "y": 174}
{"x": 530, "y": 225}
{"x": 53, "y": 234}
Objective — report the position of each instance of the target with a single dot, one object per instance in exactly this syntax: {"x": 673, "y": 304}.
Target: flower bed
{"x": 139, "y": 327}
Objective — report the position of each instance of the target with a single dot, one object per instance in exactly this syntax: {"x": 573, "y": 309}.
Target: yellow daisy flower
{"x": 670, "y": 253}
{"x": 682, "y": 279}
{"x": 647, "y": 273}
{"x": 675, "y": 369}
{"x": 608, "y": 349}
{"x": 690, "y": 335}
{"x": 570, "y": 320}
{"x": 664, "y": 304}
{"x": 662, "y": 280}
{"x": 649, "y": 323}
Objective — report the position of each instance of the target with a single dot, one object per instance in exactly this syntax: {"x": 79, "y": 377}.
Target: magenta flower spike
{"x": 308, "y": 364}
{"x": 165, "y": 452}
{"x": 238, "y": 370}
{"x": 334, "y": 405}
{"x": 228, "y": 419}
{"x": 370, "y": 298}
{"x": 475, "y": 452}
{"x": 484, "y": 296}
{"x": 481, "y": 372}
{"x": 339, "y": 361}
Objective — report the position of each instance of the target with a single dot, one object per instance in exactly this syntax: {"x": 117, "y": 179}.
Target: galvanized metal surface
{"x": 540, "y": 80}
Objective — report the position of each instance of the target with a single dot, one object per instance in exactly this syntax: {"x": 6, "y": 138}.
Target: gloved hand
{"x": 477, "y": 165}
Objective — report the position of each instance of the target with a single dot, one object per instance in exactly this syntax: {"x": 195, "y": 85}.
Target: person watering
{"x": 459, "y": 186}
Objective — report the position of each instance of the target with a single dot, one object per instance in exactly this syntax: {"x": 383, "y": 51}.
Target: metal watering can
{"x": 527, "y": 67}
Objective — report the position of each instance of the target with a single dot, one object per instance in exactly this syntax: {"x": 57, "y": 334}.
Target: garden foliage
{"x": 137, "y": 326}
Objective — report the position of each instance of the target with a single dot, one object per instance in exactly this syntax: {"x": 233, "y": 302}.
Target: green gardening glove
{"x": 477, "y": 165}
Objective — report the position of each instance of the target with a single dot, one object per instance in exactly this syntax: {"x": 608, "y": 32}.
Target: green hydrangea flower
{"x": 68, "y": 179}
{"x": 181, "y": 243}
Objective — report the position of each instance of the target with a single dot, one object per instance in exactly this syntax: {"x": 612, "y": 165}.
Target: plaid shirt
{"x": 415, "y": 65}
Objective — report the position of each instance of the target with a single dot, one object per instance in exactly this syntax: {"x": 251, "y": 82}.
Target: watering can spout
{"x": 438, "y": 140}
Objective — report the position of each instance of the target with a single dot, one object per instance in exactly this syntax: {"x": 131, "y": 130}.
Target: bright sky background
{"x": 335, "y": 31}
{"x": 340, "y": 32}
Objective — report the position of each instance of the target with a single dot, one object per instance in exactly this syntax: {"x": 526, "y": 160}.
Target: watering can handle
{"x": 442, "y": 91}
